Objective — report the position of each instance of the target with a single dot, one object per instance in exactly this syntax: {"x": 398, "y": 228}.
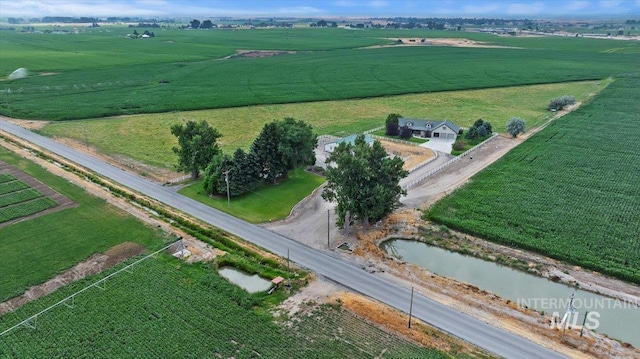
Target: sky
{"x": 577, "y": 9}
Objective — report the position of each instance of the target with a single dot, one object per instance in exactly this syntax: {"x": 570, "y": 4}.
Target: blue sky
{"x": 323, "y": 8}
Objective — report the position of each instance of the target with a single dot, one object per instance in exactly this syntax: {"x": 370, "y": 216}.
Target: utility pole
{"x": 288, "y": 275}
{"x": 226, "y": 179}
{"x": 583, "y": 321}
{"x": 328, "y": 245}
{"x": 86, "y": 139}
{"x": 410, "y": 307}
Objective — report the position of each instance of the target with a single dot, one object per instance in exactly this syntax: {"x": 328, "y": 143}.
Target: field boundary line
{"x": 31, "y": 322}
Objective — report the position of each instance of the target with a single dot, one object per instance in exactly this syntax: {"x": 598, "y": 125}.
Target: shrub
{"x": 561, "y": 102}
{"x": 405, "y": 132}
{"x": 459, "y": 146}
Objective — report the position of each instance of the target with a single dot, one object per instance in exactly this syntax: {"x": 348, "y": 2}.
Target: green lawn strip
{"x": 265, "y": 204}
{"x": 5, "y": 177}
{"x": 12, "y": 186}
{"x": 147, "y": 137}
{"x": 569, "y": 192}
{"x": 469, "y": 143}
{"x": 37, "y": 249}
{"x": 19, "y": 196}
{"x": 166, "y": 308}
{"x": 410, "y": 139}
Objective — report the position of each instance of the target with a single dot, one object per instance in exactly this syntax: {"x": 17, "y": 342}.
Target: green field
{"x": 18, "y": 200}
{"x": 34, "y": 250}
{"x": 99, "y": 73}
{"x": 265, "y": 204}
{"x": 571, "y": 192}
{"x": 147, "y": 137}
{"x": 166, "y": 309}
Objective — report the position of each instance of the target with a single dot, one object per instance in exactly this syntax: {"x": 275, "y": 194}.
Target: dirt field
{"x": 411, "y": 155}
{"x": 416, "y": 41}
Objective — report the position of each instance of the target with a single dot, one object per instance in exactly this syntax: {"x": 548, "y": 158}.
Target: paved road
{"x": 323, "y": 263}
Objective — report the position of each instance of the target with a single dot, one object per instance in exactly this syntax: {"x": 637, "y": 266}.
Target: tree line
{"x": 280, "y": 147}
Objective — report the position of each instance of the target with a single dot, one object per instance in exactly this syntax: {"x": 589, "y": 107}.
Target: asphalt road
{"x": 323, "y": 263}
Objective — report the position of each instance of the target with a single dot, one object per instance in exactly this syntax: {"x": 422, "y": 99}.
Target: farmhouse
{"x": 430, "y": 129}
{"x": 329, "y": 147}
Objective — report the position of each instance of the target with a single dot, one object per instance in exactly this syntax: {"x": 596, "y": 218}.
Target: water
{"x": 617, "y": 319}
{"x": 250, "y": 283}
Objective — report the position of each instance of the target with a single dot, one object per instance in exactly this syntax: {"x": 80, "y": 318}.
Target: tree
{"x": 242, "y": 170}
{"x": 297, "y": 142}
{"x": 194, "y": 24}
{"x": 392, "y": 128}
{"x": 405, "y": 132}
{"x": 515, "y": 126}
{"x": 207, "y": 24}
{"x": 364, "y": 181}
{"x": 265, "y": 147}
{"x": 197, "y": 146}
{"x": 559, "y": 103}
{"x": 479, "y": 129}
{"x": 321, "y": 23}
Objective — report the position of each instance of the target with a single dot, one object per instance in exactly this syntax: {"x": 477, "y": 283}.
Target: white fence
{"x": 447, "y": 164}
{"x": 179, "y": 179}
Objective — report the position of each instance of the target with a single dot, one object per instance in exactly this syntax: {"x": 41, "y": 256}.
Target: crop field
{"x": 18, "y": 200}
{"x": 571, "y": 192}
{"x": 147, "y": 138}
{"x": 98, "y": 74}
{"x": 35, "y": 250}
{"x": 168, "y": 309}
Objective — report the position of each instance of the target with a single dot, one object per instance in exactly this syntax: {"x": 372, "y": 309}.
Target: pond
{"x": 615, "y": 318}
{"x": 250, "y": 283}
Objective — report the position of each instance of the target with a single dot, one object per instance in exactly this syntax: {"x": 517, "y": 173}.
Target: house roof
{"x": 352, "y": 139}
{"x": 424, "y": 125}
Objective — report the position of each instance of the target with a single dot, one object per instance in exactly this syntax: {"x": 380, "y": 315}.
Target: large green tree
{"x": 297, "y": 143}
{"x": 242, "y": 171}
{"x": 197, "y": 146}
{"x": 282, "y": 146}
{"x": 364, "y": 181}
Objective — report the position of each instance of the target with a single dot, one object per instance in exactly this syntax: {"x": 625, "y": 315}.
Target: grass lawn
{"x": 410, "y": 139}
{"x": 34, "y": 250}
{"x": 468, "y": 144}
{"x": 268, "y": 203}
{"x": 147, "y": 137}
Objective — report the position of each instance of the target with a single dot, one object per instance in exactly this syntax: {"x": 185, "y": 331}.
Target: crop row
{"x": 570, "y": 192}
{"x": 5, "y": 177}
{"x": 25, "y": 208}
{"x": 11, "y": 186}
{"x": 18, "y": 196}
{"x": 166, "y": 310}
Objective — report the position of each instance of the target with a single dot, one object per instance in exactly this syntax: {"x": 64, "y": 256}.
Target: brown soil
{"x": 416, "y": 41}
{"x": 260, "y": 53}
{"x": 94, "y": 264}
{"x": 396, "y": 321}
{"x": 411, "y": 155}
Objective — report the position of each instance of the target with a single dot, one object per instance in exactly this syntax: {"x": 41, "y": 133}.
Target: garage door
{"x": 449, "y": 135}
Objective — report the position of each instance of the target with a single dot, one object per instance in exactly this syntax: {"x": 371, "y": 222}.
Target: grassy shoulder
{"x": 147, "y": 137}
{"x": 34, "y": 250}
{"x": 267, "y": 203}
